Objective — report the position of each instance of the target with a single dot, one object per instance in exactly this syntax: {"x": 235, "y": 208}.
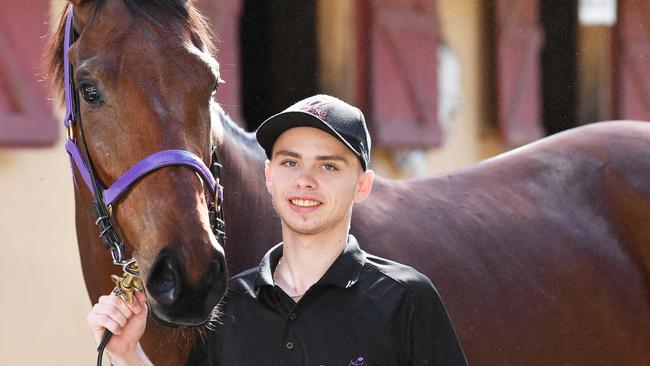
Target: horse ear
{"x": 81, "y": 12}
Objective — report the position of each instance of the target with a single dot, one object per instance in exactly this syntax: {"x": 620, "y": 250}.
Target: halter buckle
{"x": 69, "y": 131}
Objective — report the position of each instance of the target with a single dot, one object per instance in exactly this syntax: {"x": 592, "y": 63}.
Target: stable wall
{"x": 43, "y": 302}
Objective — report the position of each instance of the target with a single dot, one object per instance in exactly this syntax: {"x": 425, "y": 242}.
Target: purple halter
{"x": 107, "y": 197}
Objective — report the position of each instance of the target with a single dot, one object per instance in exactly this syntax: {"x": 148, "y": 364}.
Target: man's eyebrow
{"x": 332, "y": 157}
{"x": 288, "y": 153}
{"x": 319, "y": 157}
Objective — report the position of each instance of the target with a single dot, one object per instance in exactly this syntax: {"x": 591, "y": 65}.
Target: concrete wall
{"x": 43, "y": 301}
{"x": 468, "y": 139}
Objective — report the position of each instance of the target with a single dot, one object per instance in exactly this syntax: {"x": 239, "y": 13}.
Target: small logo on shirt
{"x": 360, "y": 361}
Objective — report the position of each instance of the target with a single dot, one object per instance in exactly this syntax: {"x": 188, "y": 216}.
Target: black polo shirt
{"x": 365, "y": 311}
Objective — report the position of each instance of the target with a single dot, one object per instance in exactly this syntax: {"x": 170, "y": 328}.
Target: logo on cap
{"x": 315, "y": 108}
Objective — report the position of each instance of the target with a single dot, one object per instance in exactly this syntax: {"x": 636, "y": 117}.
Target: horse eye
{"x": 90, "y": 93}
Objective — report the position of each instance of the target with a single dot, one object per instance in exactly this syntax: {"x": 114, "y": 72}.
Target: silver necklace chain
{"x": 275, "y": 281}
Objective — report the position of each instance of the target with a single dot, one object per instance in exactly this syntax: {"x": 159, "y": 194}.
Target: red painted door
{"x": 632, "y": 74}
{"x": 225, "y": 18}
{"x": 519, "y": 39}
{"x": 402, "y": 96}
{"x": 25, "y": 110}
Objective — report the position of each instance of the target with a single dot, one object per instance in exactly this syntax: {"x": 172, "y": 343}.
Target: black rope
{"x": 102, "y": 346}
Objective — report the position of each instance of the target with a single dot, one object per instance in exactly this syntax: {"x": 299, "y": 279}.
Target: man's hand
{"x": 126, "y": 322}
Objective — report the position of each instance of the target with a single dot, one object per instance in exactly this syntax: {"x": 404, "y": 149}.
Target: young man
{"x": 317, "y": 298}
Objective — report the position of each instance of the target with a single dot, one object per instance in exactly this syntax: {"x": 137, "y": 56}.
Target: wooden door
{"x": 519, "y": 39}
{"x": 25, "y": 110}
{"x": 224, "y": 16}
{"x": 402, "y": 93}
{"x": 632, "y": 72}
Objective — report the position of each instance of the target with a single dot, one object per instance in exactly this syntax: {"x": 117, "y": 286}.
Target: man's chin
{"x": 303, "y": 228}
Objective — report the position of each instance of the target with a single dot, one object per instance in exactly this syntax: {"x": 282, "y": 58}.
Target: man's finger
{"x": 117, "y": 302}
{"x": 100, "y": 321}
{"x": 112, "y": 312}
{"x": 139, "y": 302}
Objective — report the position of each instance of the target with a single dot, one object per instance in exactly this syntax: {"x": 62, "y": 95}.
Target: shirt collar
{"x": 267, "y": 266}
{"x": 344, "y": 272}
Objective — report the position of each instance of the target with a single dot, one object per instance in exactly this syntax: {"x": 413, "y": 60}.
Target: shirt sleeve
{"x": 433, "y": 338}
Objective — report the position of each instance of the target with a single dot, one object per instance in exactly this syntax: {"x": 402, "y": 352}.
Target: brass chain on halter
{"x": 129, "y": 282}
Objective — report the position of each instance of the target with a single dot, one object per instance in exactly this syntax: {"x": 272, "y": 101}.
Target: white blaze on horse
{"x": 542, "y": 255}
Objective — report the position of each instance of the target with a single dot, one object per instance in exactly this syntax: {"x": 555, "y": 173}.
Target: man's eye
{"x": 329, "y": 167}
{"x": 288, "y": 163}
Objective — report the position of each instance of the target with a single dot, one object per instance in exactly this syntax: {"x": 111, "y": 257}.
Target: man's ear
{"x": 364, "y": 186}
{"x": 268, "y": 172}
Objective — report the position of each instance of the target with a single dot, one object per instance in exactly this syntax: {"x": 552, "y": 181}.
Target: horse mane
{"x": 244, "y": 138}
{"x": 182, "y": 10}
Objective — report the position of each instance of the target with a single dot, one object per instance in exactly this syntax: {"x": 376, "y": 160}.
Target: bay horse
{"x": 542, "y": 254}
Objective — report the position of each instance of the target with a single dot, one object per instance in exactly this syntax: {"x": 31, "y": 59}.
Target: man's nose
{"x": 305, "y": 180}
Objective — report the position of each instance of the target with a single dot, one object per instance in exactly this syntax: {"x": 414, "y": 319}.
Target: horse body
{"x": 530, "y": 250}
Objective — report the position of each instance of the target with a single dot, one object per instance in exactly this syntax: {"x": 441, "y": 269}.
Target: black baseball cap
{"x": 327, "y": 113}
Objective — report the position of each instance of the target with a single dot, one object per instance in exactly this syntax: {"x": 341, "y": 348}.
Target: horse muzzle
{"x": 176, "y": 301}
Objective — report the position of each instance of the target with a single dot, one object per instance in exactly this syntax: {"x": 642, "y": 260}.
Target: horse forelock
{"x": 185, "y": 11}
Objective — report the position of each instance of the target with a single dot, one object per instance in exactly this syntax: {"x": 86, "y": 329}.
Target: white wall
{"x": 43, "y": 300}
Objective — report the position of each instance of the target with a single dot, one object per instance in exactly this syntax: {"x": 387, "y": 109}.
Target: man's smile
{"x": 304, "y": 204}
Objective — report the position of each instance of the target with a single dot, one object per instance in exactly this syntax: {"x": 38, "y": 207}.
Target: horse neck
{"x": 251, "y": 224}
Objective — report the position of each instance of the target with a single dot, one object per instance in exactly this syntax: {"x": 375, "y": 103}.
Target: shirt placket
{"x": 292, "y": 344}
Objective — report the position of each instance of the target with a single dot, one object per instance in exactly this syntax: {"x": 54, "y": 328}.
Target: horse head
{"x": 145, "y": 78}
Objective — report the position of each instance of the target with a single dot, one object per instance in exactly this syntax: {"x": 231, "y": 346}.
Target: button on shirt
{"x": 365, "y": 311}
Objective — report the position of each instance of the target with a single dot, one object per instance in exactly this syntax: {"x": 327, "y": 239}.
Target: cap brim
{"x": 274, "y": 126}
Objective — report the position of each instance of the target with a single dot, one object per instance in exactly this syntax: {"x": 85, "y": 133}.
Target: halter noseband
{"x": 106, "y": 198}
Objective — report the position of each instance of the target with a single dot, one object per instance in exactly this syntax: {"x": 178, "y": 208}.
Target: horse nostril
{"x": 164, "y": 282}
{"x": 211, "y": 275}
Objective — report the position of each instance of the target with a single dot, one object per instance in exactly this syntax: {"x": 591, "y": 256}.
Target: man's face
{"x": 313, "y": 180}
